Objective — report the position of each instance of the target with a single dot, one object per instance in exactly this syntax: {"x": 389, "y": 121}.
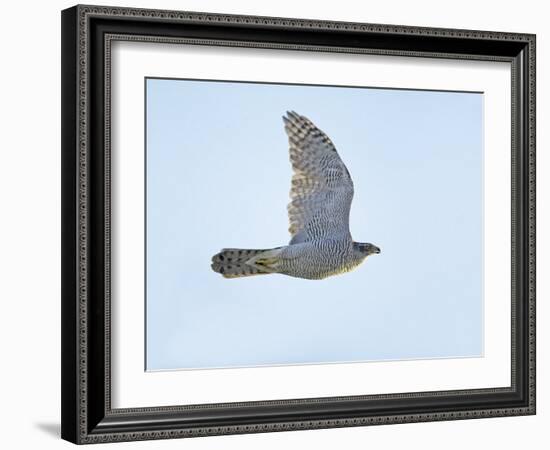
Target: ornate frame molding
{"x": 87, "y": 421}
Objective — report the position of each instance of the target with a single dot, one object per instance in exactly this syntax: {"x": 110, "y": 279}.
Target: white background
{"x": 30, "y": 225}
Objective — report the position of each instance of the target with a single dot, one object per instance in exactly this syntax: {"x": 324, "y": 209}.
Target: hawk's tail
{"x": 239, "y": 262}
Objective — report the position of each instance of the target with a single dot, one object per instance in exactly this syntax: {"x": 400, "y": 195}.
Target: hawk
{"x": 320, "y": 199}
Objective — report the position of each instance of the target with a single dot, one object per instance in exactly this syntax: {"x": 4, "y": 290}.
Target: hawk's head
{"x": 365, "y": 248}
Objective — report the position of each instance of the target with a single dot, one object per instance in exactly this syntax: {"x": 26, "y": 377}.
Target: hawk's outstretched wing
{"x": 322, "y": 189}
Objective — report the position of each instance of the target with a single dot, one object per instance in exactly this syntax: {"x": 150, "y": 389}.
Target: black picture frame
{"x": 87, "y": 416}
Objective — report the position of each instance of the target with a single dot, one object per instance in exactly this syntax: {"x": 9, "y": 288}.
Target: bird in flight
{"x": 320, "y": 199}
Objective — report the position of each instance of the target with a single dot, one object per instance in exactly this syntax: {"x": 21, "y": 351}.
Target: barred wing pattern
{"x": 321, "y": 188}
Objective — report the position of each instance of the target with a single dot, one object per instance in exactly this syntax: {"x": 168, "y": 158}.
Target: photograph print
{"x": 292, "y": 224}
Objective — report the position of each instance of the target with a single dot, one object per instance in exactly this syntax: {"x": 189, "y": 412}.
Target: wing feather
{"x": 321, "y": 187}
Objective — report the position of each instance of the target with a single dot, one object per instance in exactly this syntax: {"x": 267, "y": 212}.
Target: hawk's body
{"x": 321, "y": 193}
{"x": 319, "y": 258}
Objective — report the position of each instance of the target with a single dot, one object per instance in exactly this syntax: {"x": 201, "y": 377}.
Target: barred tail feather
{"x": 238, "y": 262}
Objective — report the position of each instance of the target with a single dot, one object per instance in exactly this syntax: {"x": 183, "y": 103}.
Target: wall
{"x": 30, "y": 224}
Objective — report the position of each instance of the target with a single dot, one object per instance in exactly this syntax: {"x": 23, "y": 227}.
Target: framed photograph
{"x": 278, "y": 224}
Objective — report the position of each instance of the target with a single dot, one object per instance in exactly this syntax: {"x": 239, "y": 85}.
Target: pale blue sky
{"x": 218, "y": 175}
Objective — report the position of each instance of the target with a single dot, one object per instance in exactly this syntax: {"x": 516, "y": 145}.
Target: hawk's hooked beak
{"x": 375, "y": 249}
